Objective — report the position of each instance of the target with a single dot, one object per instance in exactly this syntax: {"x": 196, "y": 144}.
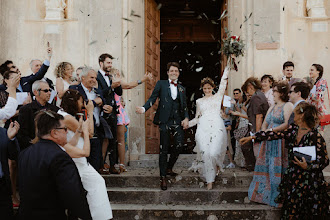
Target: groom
{"x": 171, "y": 116}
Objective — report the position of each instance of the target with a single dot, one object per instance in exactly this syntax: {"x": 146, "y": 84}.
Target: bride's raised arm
{"x": 223, "y": 84}
{"x": 194, "y": 121}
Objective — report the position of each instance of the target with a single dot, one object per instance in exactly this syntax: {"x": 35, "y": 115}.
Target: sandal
{"x": 122, "y": 168}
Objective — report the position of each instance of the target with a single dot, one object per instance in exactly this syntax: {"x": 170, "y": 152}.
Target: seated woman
{"x": 302, "y": 190}
{"x": 97, "y": 196}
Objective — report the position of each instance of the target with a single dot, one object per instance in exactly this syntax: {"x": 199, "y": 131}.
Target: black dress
{"x": 303, "y": 193}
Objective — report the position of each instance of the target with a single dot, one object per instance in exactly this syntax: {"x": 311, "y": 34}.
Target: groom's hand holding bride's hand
{"x": 245, "y": 140}
{"x": 185, "y": 123}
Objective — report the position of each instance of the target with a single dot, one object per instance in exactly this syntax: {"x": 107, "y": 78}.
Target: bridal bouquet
{"x": 232, "y": 47}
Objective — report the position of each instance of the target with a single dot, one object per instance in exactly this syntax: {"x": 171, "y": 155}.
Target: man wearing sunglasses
{"x": 26, "y": 115}
{"x": 49, "y": 179}
{"x": 299, "y": 92}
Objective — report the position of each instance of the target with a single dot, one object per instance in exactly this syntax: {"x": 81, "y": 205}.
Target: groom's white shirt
{"x": 174, "y": 91}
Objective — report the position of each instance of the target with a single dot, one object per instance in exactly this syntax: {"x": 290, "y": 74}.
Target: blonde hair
{"x": 60, "y": 68}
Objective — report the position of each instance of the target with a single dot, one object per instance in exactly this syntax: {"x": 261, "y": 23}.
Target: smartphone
{"x": 47, "y": 43}
{"x": 82, "y": 114}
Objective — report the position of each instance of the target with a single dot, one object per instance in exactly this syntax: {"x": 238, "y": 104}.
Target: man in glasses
{"x": 299, "y": 92}
{"x": 49, "y": 179}
{"x": 26, "y": 115}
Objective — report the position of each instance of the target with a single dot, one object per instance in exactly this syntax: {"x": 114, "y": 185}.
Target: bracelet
{"x": 139, "y": 82}
{"x": 78, "y": 131}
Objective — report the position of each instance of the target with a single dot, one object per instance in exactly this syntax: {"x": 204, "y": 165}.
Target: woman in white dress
{"x": 94, "y": 184}
{"x": 211, "y": 135}
{"x": 63, "y": 73}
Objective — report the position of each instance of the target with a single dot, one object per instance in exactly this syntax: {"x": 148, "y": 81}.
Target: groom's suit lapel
{"x": 168, "y": 89}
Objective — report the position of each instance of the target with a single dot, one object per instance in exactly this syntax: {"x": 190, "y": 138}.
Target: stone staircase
{"x": 136, "y": 195}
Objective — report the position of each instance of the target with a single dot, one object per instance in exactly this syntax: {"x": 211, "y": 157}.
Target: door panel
{"x": 152, "y": 64}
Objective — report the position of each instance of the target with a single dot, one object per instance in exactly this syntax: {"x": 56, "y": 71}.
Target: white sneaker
{"x": 230, "y": 166}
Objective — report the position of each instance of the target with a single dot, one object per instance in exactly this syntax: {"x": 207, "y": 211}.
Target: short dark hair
{"x": 303, "y": 88}
{"x": 311, "y": 114}
{"x": 6, "y": 75}
{"x": 69, "y": 101}
{"x": 175, "y": 64}
{"x": 320, "y": 69}
{"x": 237, "y": 89}
{"x": 270, "y": 77}
{"x": 104, "y": 56}
{"x": 46, "y": 121}
{"x": 4, "y": 66}
{"x": 287, "y": 63}
{"x": 283, "y": 89}
{"x": 255, "y": 82}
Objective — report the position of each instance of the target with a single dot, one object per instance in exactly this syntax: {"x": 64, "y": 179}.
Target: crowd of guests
{"x": 269, "y": 118}
{"x": 84, "y": 114}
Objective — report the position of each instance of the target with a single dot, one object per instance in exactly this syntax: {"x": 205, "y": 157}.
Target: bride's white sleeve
{"x": 223, "y": 84}
{"x": 194, "y": 121}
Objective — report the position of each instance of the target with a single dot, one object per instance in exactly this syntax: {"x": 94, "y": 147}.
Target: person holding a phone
{"x": 303, "y": 190}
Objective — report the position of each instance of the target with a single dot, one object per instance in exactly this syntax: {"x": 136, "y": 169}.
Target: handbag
{"x": 325, "y": 119}
{"x": 239, "y": 133}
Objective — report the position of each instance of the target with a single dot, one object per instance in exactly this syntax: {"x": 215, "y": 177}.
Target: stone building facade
{"x": 79, "y": 31}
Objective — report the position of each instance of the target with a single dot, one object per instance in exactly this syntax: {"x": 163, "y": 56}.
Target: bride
{"x": 211, "y": 136}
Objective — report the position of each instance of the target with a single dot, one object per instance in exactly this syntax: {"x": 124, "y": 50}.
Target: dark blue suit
{"x": 168, "y": 116}
{"x": 109, "y": 97}
{"x": 8, "y": 150}
{"x": 95, "y": 156}
{"x": 27, "y": 81}
{"x": 49, "y": 183}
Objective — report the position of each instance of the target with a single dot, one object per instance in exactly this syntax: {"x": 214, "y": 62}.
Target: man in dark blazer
{"x": 28, "y": 112}
{"x": 87, "y": 89}
{"x": 171, "y": 116}
{"x": 299, "y": 92}
{"x": 8, "y": 150}
{"x": 109, "y": 88}
{"x": 49, "y": 179}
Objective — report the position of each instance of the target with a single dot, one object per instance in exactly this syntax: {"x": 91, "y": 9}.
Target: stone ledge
{"x": 267, "y": 46}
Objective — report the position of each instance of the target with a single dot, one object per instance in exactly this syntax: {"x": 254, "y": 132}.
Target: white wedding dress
{"x": 211, "y": 134}
{"x": 93, "y": 183}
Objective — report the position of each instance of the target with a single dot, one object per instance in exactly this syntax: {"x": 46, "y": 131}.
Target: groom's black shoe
{"x": 170, "y": 172}
{"x": 163, "y": 184}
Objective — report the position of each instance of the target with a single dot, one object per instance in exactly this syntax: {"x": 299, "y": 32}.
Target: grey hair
{"x": 36, "y": 85}
{"x": 79, "y": 68}
{"x": 33, "y": 61}
{"x": 85, "y": 71}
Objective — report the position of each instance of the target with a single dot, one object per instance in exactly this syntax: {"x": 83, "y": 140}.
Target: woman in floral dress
{"x": 319, "y": 90}
{"x": 302, "y": 190}
{"x": 272, "y": 157}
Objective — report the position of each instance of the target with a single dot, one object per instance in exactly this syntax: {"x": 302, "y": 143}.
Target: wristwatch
{"x": 139, "y": 82}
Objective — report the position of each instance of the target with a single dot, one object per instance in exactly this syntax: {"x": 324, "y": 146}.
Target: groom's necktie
{"x": 175, "y": 84}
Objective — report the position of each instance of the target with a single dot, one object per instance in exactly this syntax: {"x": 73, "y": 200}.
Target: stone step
{"x": 152, "y": 161}
{"x": 177, "y": 196}
{"x": 194, "y": 212}
{"x": 228, "y": 179}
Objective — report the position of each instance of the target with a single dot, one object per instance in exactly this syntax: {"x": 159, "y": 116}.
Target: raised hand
{"x": 49, "y": 53}
{"x": 85, "y": 127}
{"x": 245, "y": 140}
{"x": 139, "y": 110}
{"x": 13, "y": 129}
